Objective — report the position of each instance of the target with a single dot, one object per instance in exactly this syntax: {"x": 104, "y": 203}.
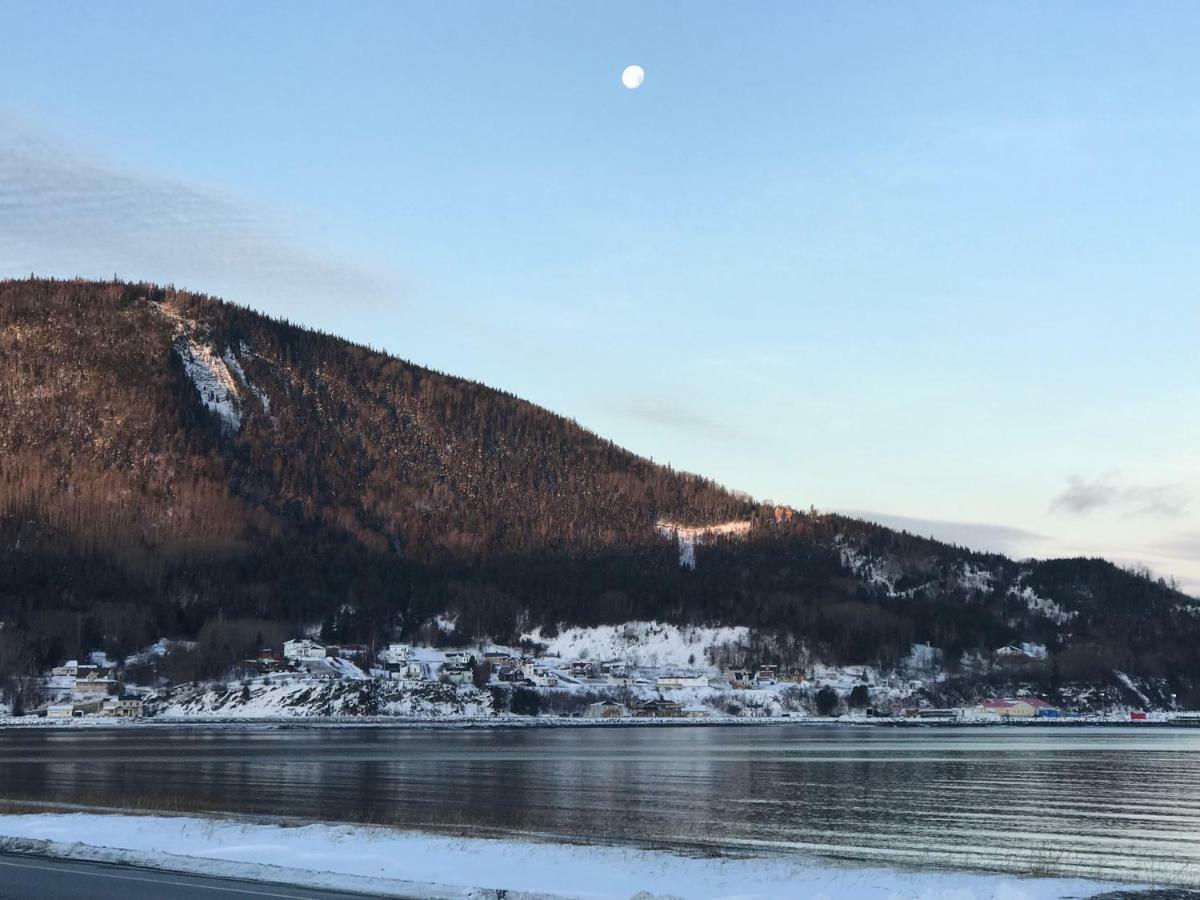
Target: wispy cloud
{"x": 64, "y": 213}
{"x": 1184, "y": 546}
{"x": 673, "y": 416}
{"x": 988, "y": 536}
{"x": 1081, "y": 497}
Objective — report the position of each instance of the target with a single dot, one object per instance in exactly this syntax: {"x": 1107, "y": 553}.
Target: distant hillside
{"x": 171, "y": 464}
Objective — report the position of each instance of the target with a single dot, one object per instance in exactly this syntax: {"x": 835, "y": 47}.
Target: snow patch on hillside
{"x": 214, "y": 382}
{"x": 1041, "y": 605}
{"x": 688, "y": 537}
{"x": 234, "y": 366}
{"x": 873, "y": 571}
{"x": 974, "y": 578}
{"x": 1133, "y": 689}
{"x": 641, "y": 644}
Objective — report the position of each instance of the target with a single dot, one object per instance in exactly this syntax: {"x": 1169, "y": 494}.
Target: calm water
{"x": 1096, "y": 800}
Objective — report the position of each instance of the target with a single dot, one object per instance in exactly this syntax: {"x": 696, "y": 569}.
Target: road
{"x": 23, "y": 877}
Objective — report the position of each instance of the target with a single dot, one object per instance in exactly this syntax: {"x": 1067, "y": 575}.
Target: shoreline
{"x": 546, "y": 722}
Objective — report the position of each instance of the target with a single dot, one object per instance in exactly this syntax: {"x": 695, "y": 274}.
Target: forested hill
{"x": 168, "y": 460}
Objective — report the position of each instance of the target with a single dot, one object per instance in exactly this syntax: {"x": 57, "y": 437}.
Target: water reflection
{"x": 1085, "y": 800}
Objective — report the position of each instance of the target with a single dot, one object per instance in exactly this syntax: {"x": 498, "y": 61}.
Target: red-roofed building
{"x": 1019, "y": 707}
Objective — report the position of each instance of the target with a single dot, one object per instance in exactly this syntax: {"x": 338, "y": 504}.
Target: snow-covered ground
{"x": 387, "y": 862}
{"x": 642, "y": 644}
{"x": 291, "y": 696}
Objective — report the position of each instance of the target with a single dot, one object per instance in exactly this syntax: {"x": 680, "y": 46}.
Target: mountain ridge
{"x": 171, "y": 460}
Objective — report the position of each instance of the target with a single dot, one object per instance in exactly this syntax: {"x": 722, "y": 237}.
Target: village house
{"x": 510, "y": 674}
{"x": 1019, "y": 708}
{"x": 395, "y": 654}
{"x": 460, "y": 658}
{"x": 96, "y": 682}
{"x": 303, "y": 648}
{"x": 69, "y": 669}
{"x": 123, "y": 707}
{"x": 268, "y": 660}
{"x": 1019, "y": 653}
{"x": 497, "y": 657}
{"x": 457, "y": 674}
{"x": 739, "y": 679}
{"x": 605, "y": 709}
{"x": 540, "y": 676}
{"x": 675, "y": 682}
{"x": 410, "y": 671}
{"x": 767, "y": 675}
{"x": 581, "y": 668}
{"x": 614, "y": 667}
{"x": 665, "y": 709}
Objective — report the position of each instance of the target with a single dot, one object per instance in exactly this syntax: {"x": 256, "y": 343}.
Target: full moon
{"x": 633, "y": 76}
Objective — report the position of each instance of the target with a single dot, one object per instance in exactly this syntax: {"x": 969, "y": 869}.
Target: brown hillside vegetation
{"x": 96, "y": 408}
{"x": 171, "y": 464}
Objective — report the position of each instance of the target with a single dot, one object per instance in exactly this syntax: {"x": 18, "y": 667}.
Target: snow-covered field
{"x": 387, "y": 862}
{"x": 648, "y": 644}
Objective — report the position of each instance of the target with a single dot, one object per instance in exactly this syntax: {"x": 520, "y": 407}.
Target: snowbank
{"x": 400, "y": 863}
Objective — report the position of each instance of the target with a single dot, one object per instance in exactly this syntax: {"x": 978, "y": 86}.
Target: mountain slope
{"x": 172, "y": 464}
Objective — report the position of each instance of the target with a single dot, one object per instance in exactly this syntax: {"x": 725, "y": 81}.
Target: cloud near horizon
{"x": 1184, "y": 547}
{"x": 983, "y": 536}
{"x": 1082, "y": 497}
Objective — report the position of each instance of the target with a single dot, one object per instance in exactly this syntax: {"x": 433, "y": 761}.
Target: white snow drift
{"x": 386, "y": 862}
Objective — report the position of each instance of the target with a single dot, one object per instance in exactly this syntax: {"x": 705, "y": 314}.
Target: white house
{"x": 303, "y": 649}
{"x": 541, "y": 676}
{"x": 457, "y": 675}
{"x": 460, "y": 658}
{"x": 410, "y": 671}
{"x": 670, "y": 682}
{"x": 123, "y": 707}
{"x": 605, "y": 709}
{"x": 614, "y": 667}
{"x": 396, "y": 654}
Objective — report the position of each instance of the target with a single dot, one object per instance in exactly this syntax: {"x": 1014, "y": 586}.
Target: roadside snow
{"x": 388, "y": 862}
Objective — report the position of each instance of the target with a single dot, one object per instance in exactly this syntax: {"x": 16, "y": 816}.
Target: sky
{"x": 933, "y": 264}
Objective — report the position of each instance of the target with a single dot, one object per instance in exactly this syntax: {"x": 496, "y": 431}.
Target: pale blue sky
{"x": 922, "y": 260}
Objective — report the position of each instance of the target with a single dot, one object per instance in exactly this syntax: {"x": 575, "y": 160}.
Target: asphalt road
{"x": 23, "y": 877}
